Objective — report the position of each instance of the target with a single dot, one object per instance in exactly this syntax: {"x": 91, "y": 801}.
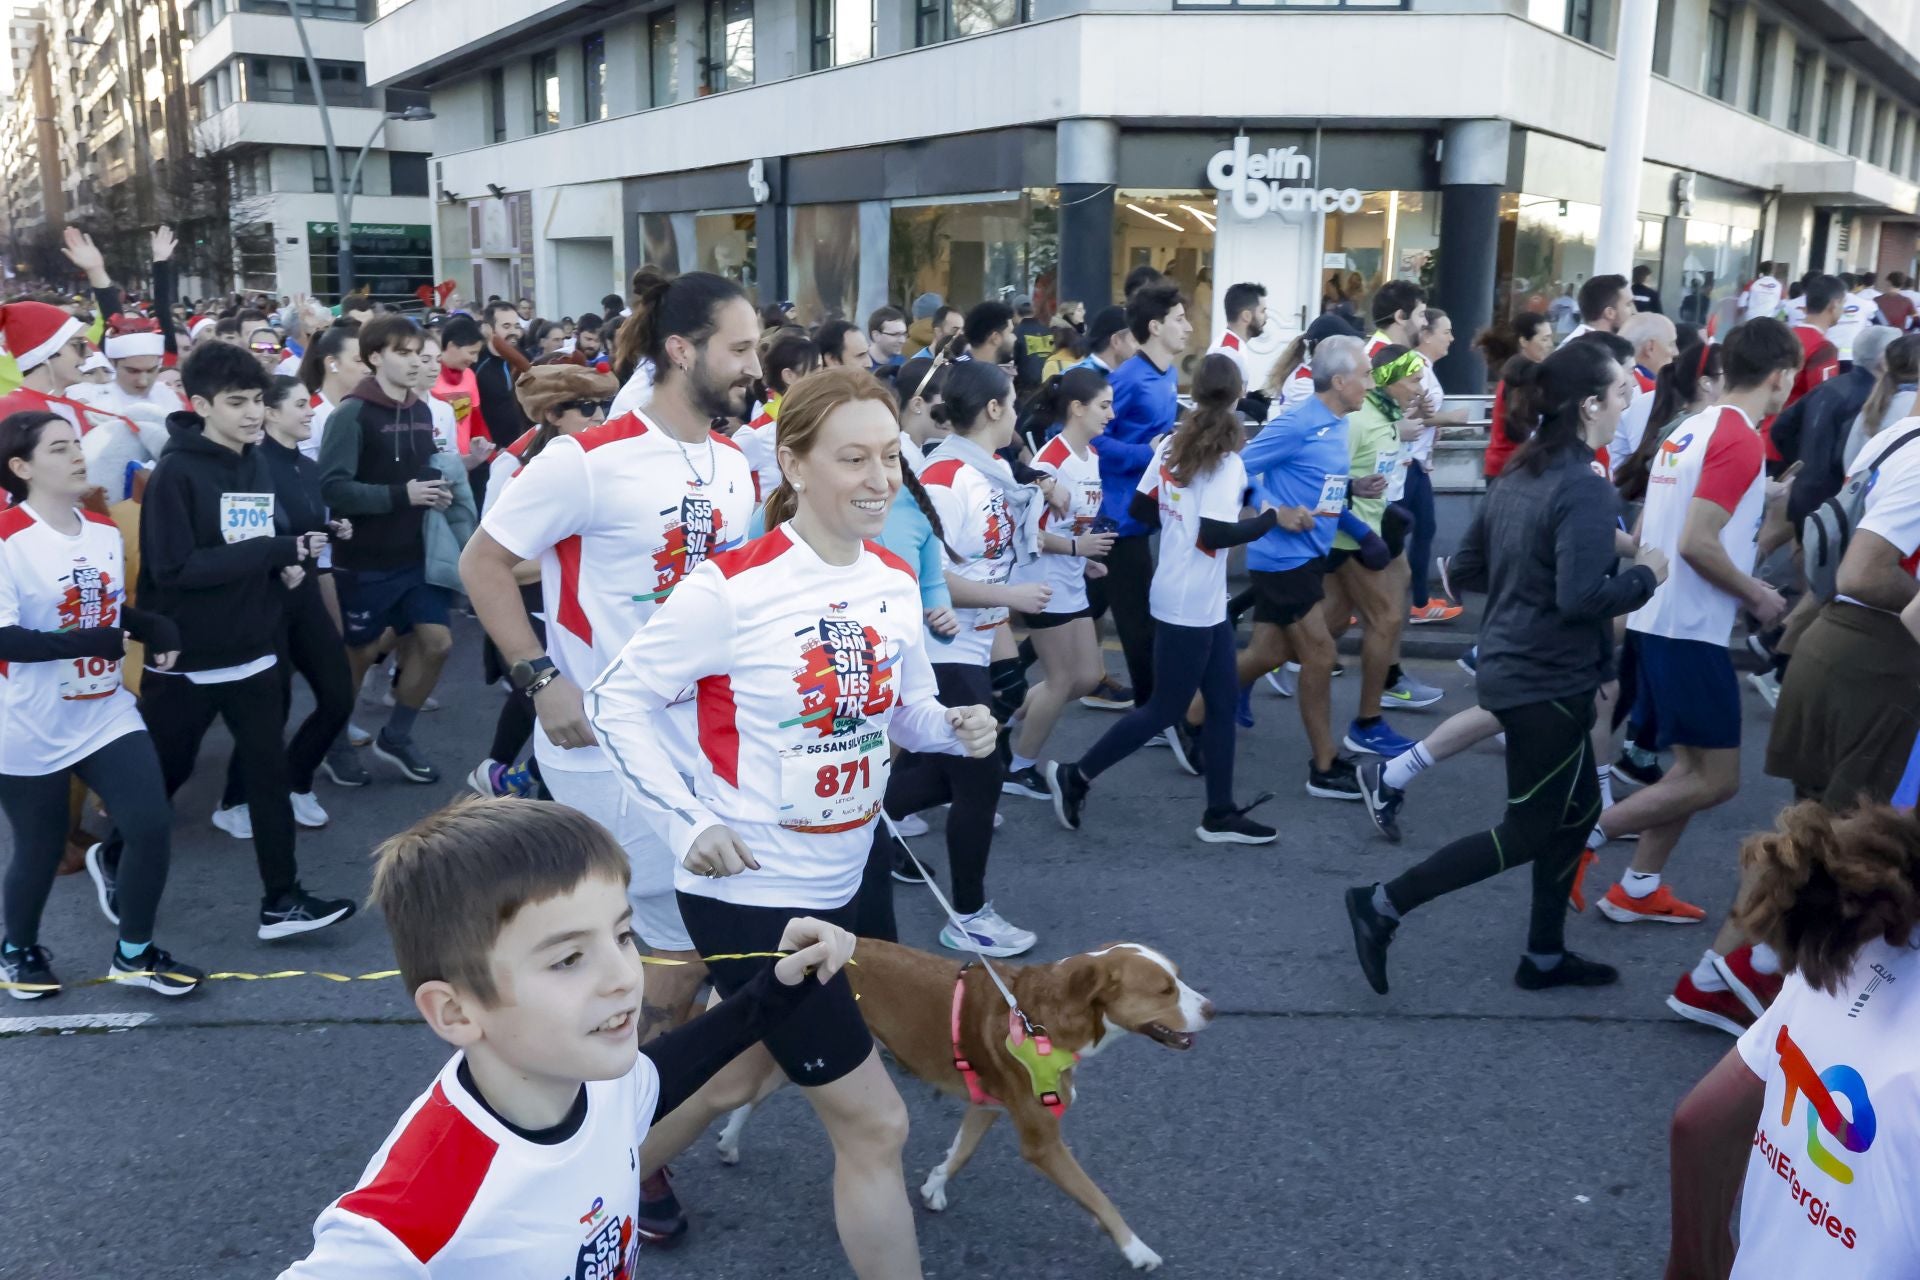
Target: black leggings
{"x": 971, "y": 786}
{"x": 309, "y": 644}
{"x": 125, "y": 774}
{"x": 513, "y": 727}
{"x": 1186, "y": 660}
{"x": 1127, "y": 584}
{"x": 1553, "y": 800}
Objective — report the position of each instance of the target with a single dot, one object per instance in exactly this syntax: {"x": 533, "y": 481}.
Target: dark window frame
{"x": 593, "y": 76}
{"x": 544, "y": 82}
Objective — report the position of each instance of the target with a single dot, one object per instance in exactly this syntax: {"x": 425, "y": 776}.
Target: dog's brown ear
{"x": 1087, "y": 978}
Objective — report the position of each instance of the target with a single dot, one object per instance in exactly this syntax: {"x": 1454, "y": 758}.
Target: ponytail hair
{"x": 784, "y": 351}
{"x": 803, "y": 411}
{"x": 313, "y": 365}
{"x": 1544, "y": 399}
{"x": 1058, "y": 395}
{"x": 669, "y": 307}
{"x": 1823, "y": 886}
{"x": 1676, "y": 387}
{"x": 1212, "y": 428}
{"x": 971, "y": 386}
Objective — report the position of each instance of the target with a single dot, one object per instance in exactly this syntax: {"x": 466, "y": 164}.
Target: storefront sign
{"x": 1260, "y": 182}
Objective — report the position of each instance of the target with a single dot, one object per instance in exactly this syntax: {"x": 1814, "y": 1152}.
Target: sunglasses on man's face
{"x": 263, "y": 348}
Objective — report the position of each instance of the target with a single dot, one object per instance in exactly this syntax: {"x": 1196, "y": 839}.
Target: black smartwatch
{"x": 526, "y": 674}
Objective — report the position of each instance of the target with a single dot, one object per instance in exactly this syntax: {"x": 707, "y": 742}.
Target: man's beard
{"x": 1255, "y": 328}
{"x": 714, "y": 399}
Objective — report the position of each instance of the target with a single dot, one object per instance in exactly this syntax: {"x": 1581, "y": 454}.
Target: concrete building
{"x": 842, "y": 154}
{"x": 254, "y": 104}
{"x": 30, "y": 147}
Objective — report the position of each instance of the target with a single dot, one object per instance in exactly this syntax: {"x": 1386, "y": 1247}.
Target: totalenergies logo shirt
{"x": 1831, "y": 1172}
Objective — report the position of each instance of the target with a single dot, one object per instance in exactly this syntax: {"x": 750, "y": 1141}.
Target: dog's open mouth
{"x": 1163, "y": 1034}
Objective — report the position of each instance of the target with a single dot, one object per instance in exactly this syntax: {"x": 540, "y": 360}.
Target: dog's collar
{"x": 1028, "y": 1045}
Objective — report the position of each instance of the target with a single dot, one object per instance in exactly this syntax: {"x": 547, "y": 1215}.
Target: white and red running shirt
{"x": 1190, "y": 582}
{"x": 1715, "y": 455}
{"x": 1067, "y": 574}
{"x": 55, "y": 713}
{"x": 1232, "y": 347}
{"x": 503, "y": 466}
{"x": 805, "y": 673}
{"x": 455, "y": 1194}
{"x": 617, "y": 515}
{"x": 980, "y": 531}
{"x": 1832, "y": 1167}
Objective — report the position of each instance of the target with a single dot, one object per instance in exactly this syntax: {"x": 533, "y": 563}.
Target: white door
{"x": 1281, "y": 252}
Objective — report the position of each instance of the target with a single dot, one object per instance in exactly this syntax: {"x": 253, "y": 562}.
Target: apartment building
{"x": 256, "y": 107}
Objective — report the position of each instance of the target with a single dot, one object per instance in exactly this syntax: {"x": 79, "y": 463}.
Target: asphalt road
{"x": 1457, "y": 1128}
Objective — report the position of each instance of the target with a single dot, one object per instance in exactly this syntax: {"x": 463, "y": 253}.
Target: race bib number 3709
{"x": 245, "y": 516}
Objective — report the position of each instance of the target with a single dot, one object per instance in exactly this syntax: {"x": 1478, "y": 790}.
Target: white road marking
{"x": 67, "y": 1022}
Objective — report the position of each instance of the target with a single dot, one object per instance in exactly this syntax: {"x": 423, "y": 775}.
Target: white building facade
{"x": 847, "y": 153}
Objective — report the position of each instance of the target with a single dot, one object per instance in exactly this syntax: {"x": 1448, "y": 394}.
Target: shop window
{"x": 1798, "y": 89}
{"x": 824, "y": 261}
{"x": 497, "y": 105}
{"x": 1760, "y": 86}
{"x": 663, "y": 58}
{"x": 843, "y": 32}
{"x": 1829, "y": 106}
{"x": 1713, "y": 71}
{"x": 390, "y": 260}
{"x": 1394, "y": 236}
{"x": 966, "y": 250}
{"x": 546, "y": 91}
{"x": 728, "y": 63}
{"x": 1719, "y": 258}
{"x": 725, "y": 244}
{"x": 593, "y": 77}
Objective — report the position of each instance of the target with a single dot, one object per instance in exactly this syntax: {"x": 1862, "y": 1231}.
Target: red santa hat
{"x": 131, "y": 336}
{"x": 34, "y": 331}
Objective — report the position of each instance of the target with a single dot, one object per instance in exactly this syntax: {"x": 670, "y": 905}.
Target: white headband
{"x": 123, "y": 346}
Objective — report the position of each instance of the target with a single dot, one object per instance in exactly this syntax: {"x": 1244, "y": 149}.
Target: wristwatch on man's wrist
{"x": 532, "y": 675}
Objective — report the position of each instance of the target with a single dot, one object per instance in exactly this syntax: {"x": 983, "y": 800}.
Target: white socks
{"x": 1406, "y": 766}
{"x": 1605, "y": 775}
{"x": 1640, "y": 884}
{"x": 1705, "y": 976}
{"x": 1383, "y": 904}
{"x": 1022, "y": 763}
{"x": 1765, "y": 958}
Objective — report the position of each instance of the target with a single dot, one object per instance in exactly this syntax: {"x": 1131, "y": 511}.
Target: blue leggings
{"x": 1186, "y": 660}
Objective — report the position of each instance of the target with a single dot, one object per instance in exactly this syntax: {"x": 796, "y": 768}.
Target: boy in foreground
{"x": 511, "y": 926}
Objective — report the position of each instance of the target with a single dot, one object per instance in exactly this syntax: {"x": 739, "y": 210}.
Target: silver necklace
{"x": 712, "y": 463}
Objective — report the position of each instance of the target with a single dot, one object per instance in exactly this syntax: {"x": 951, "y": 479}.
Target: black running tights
{"x": 971, "y": 786}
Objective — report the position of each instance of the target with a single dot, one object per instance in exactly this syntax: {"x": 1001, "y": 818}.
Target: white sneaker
{"x": 991, "y": 933}
{"x": 306, "y": 809}
{"x": 431, "y": 704}
{"x": 1285, "y": 680}
{"x": 1767, "y": 685}
{"x": 356, "y": 736}
{"x": 912, "y": 826}
{"x": 236, "y": 822}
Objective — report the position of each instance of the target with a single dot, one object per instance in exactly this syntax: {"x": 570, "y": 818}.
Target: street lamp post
{"x": 342, "y": 191}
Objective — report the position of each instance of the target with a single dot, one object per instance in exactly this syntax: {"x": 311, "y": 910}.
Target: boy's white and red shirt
{"x": 980, "y": 530}
{"x": 1833, "y": 1162}
{"x": 804, "y": 673}
{"x": 55, "y": 713}
{"x": 454, "y": 1193}
{"x": 1189, "y": 586}
{"x": 1716, "y": 455}
{"x": 1067, "y": 574}
{"x": 617, "y": 515}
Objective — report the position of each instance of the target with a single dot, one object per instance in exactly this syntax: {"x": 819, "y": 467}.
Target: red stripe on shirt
{"x": 891, "y": 560}
{"x": 762, "y": 550}
{"x": 1055, "y": 454}
{"x": 571, "y": 614}
{"x": 719, "y": 731}
{"x": 627, "y": 426}
{"x": 429, "y": 1179}
{"x": 14, "y": 520}
{"x": 727, "y": 441}
{"x": 97, "y": 518}
{"x": 941, "y": 471}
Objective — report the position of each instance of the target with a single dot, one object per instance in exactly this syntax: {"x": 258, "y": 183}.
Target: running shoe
{"x": 907, "y": 871}
{"x": 989, "y": 933}
{"x": 102, "y": 876}
{"x": 1720, "y": 1010}
{"x": 1577, "y": 895}
{"x": 1378, "y": 739}
{"x": 1756, "y": 990}
{"x": 235, "y": 820}
{"x": 1069, "y": 791}
{"x": 1767, "y": 685}
{"x": 1383, "y": 801}
{"x": 913, "y": 826}
{"x": 300, "y": 912}
{"x": 403, "y": 757}
{"x": 491, "y": 778}
{"x": 1433, "y": 611}
{"x": 356, "y": 736}
{"x": 31, "y": 968}
{"x": 1285, "y": 680}
{"x": 343, "y": 767}
{"x": 1337, "y": 783}
{"x": 1469, "y": 662}
{"x": 1338, "y": 671}
{"x": 1408, "y": 691}
{"x": 1757, "y": 645}
{"x": 1243, "y": 708}
{"x": 1233, "y": 826}
{"x": 660, "y": 1223}
{"x": 1028, "y": 782}
{"x": 1574, "y": 970}
{"x": 1658, "y": 907}
{"x": 157, "y": 971}
{"x": 1109, "y": 695}
{"x": 1372, "y": 932}
{"x": 1628, "y": 770}
{"x": 1184, "y": 741}
{"x": 388, "y": 700}
{"x": 306, "y": 809}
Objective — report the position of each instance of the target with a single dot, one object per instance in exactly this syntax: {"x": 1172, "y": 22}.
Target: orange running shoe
{"x": 1434, "y": 611}
{"x": 1658, "y": 907}
{"x": 1578, "y": 894}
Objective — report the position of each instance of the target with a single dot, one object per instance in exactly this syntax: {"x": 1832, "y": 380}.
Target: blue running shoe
{"x": 1379, "y": 740}
{"x": 1243, "y": 709}
{"x": 1470, "y": 661}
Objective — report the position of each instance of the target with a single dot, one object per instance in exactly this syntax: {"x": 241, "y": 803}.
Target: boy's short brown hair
{"x": 449, "y": 883}
{"x": 390, "y": 332}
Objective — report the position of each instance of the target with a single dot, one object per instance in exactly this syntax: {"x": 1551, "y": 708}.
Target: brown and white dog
{"x": 1084, "y": 1002}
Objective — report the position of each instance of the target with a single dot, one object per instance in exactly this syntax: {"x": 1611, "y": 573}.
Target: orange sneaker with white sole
{"x": 1658, "y": 907}
{"x": 1434, "y": 611}
{"x": 1578, "y": 894}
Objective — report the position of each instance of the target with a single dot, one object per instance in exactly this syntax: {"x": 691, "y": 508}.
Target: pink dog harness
{"x": 1018, "y": 1031}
